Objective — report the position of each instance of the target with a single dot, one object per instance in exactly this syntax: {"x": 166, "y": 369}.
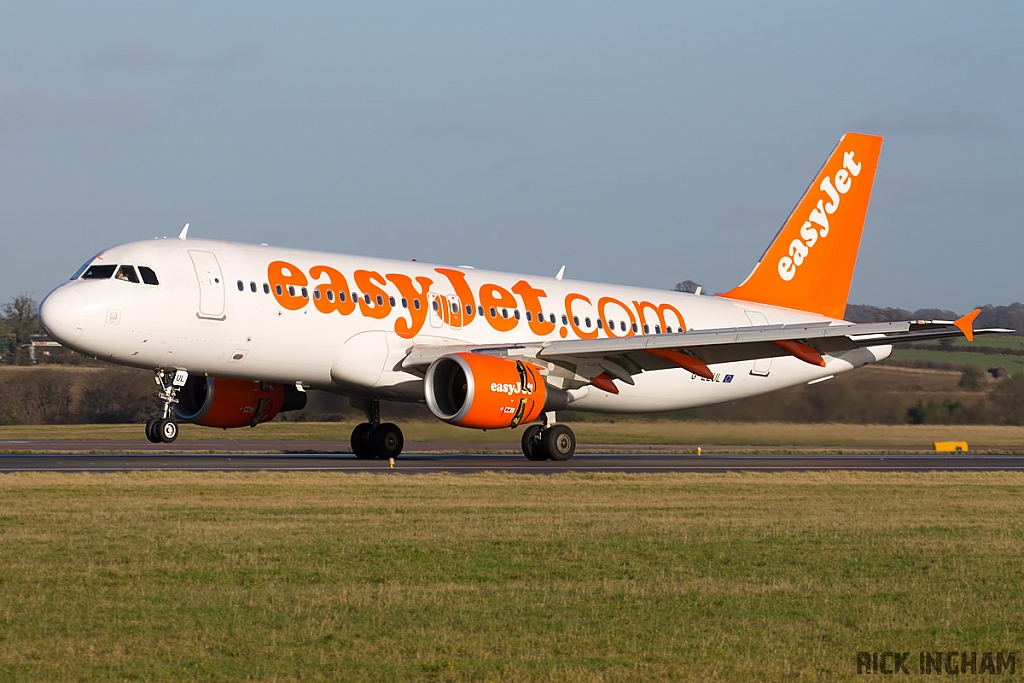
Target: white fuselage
{"x": 204, "y": 317}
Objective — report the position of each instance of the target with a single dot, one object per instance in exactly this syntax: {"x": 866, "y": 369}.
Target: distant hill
{"x": 1010, "y": 317}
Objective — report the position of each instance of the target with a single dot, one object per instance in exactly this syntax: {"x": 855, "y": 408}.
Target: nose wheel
{"x": 164, "y": 429}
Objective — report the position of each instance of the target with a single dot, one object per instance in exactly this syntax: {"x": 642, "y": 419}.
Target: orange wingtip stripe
{"x": 690, "y": 363}
{"x": 605, "y": 383}
{"x": 801, "y": 351}
{"x": 966, "y": 324}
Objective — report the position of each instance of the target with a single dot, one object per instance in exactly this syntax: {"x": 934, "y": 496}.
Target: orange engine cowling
{"x": 484, "y": 392}
{"x": 221, "y": 402}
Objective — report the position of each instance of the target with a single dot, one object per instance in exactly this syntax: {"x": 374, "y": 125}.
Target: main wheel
{"x": 387, "y": 441}
{"x": 361, "y": 440}
{"x": 533, "y": 449}
{"x": 167, "y": 430}
{"x": 151, "y": 432}
{"x": 559, "y": 442}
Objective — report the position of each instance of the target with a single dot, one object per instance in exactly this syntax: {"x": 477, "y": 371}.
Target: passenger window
{"x": 529, "y": 317}
{"x": 252, "y": 287}
{"x": 516, "y": 313}
{"x": 668, "y": 329}
{"x": 622, "y": 326}
{"x": 266, "y": 288}
{"x": 380, "y": 300}
{"x": 504, "y": 313}
{"x": 316, "y": 294}
{"x": 391, "y": 300}
{"x": 148, "y": 276}
{"x": 416, "y": 304}
{"x": 565, "y": 320}
{"x": 291, "y": 290}
{"x": 127, "y": 273}
{"x": 552, "y": 318}
{"x": 305, "y": 294}
{"x": 277, "y": 288}
{"x": 341, "y": 297}
{"x": 480, "y": 311}
{"x": 647, "y": 329}
{"x": 494, "y": 313}
{"x": 600, "y": 325}
{"x": 330, "y": 295}
{"x": 455, "y": 307}
{"x": 576, "y": 320}
{"x": 241, "y": 287}
{"x": 405, "y": 302}
{"x": 657, "y": 329}
{"x": 433, "y": 304}
{"x": 587, "y": 321}
{"x": 366, "y": 298}
{"x": 634, "y": 327}
{"x": 469, "y": 309}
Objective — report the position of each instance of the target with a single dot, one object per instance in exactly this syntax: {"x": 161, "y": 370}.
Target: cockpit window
{"x": 127, "y": 273}
{"x": 148, "y": 276}
{"x": 99, "y": 271}
{"x": 78, "y": 273}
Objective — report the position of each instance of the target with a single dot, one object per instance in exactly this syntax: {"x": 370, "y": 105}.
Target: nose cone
{"x": 62, "y": 314}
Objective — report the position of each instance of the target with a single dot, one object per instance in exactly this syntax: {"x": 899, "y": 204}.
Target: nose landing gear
{"x": 164, "y": 429}
{"x": 373, "y": 438}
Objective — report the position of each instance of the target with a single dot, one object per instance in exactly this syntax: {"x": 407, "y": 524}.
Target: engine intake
{"x": 227, "y": 403}
{"x": 487, "y": 392}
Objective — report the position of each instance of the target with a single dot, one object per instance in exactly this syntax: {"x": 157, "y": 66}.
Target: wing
{"x": 597, "y": 361}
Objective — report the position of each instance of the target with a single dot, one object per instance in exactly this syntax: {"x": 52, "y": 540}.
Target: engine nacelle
{"x": 221, "y": 402}
{"x": 485, "y": 392}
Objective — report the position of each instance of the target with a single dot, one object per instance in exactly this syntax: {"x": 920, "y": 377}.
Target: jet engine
{"x": 487, "y": 392}
{"x": 222, "y": 402}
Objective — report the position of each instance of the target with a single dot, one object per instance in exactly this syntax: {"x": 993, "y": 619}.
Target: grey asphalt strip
{"x": 464, "y": 464}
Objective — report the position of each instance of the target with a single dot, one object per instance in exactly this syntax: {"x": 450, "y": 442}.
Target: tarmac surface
{"x": 465, "y": 464}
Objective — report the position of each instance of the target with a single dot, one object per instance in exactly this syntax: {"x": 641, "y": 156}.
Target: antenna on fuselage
{"x": 184, "y": 232}
{"x": 561, "y": 272}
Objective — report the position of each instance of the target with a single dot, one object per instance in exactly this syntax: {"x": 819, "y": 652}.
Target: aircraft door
{"x": 762, "y": 366}
{"x": 211, "y": 284}
{"x": 435, "y": 312}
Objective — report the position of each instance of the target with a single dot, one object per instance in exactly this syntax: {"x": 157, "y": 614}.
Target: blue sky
{"x": 636, "y": 143}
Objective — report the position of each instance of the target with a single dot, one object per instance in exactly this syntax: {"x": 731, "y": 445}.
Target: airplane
{"x": 236, "y": 334}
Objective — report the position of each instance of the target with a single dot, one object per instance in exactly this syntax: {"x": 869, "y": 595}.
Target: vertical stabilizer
{"x": 809, "y": 266}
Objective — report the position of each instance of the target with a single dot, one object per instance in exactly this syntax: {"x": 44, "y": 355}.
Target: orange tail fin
{"x": 809, "y": 266}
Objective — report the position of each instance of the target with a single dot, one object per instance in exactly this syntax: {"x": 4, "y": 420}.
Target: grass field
{"x": 1013, "y": 364}
{"x": 174, "y": 576}
{"x": 675, "y": 432}
{"x": 1001, "y": 341}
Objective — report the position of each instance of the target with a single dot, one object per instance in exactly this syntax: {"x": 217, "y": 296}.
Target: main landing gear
{"x": 373, "y": 438}
{"x": 554, "y": 442}
{"x": 164, "y": 429}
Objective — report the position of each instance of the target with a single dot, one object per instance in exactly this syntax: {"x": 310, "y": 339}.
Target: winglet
{"x": 561, "y": 272}
{"x": 966, "y": 324}
{"x": 184, "y": 232}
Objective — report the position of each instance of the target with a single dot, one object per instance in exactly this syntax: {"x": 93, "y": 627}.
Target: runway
{"x": 467, "y": 464}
